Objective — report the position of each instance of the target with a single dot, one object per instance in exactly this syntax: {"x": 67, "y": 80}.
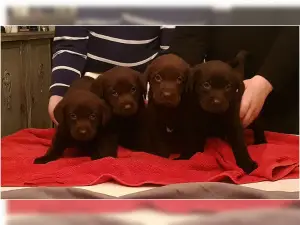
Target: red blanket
{"x": 279, "y": 159}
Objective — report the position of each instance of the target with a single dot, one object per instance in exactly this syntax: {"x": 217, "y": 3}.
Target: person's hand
{"x": 257, "y": 90}
{"x": 53, "y": 101}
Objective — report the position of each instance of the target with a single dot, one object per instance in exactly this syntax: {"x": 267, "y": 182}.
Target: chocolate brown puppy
{"x": 218, "y": 88}
{"x": 82, "y": 118}
{"x": 124, "y": 90}
{"x": 167, "y": 76}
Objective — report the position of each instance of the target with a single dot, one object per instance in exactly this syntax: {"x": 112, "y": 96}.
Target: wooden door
{"x": 39, "y": 76}
{"x": 13, "y": 84}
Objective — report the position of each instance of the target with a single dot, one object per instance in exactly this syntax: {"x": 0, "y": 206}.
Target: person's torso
{"x": 130, "y": 46}
{"x": 226, "y": 42}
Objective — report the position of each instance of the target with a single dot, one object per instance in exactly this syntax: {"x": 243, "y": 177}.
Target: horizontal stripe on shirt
{"x": 123, "y": 41}
{"x": 164, "y": 47}
{"x": 121, "y": 63}
{"x": 59, "y": 84}
{"x": 66, "y": 68}
{"x": 67, "y": 51}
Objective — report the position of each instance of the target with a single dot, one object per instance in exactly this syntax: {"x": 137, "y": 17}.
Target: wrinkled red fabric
{"x": 278, "y": 159}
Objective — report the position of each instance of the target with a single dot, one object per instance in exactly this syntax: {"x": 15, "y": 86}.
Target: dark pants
{"x": 282, "y": 115}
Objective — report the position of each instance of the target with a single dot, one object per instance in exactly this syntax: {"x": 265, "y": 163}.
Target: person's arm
{"x": 69, "y": 57}
{"x": 190, "y": 43}
{"x": 282, "y": 62}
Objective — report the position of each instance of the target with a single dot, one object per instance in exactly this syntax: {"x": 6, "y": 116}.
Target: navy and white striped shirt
{"x": 80, "y": 49}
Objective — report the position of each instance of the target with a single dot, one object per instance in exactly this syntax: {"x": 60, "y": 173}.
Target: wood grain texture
{"x": 13, "y": 114}
{"x": 25, "y": 80}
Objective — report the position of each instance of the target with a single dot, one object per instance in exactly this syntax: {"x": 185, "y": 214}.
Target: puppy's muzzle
{"x": 127, "y": 108}
{"x": 214, "y": 105}
{"x": 83, "y": 133}
{"x": 168, "y": 98}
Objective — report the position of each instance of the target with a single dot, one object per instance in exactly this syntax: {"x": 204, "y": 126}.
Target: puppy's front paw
{"x": 260, "y": 140}
{"x": 163, "y": 154}
{"x": 42, "y": 160}
{"x": 180, "y": 158}
{"x": 95, "y": 157}
{"x": 249, "y": 166}
{"x": 101, "y": 155}
{"x": 184, "y": 157}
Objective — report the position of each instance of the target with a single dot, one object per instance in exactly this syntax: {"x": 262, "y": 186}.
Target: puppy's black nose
{"x": 127, "y": 106}
{"x": 216, "y": 101}
{"x": 82, "y": 131}
{"x": 167, "y": 94}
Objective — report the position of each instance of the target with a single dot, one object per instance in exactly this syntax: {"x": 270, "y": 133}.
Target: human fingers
{"x": 247, "y": 120}
{"x": 53, "y": 101}
{"x": 246, "y": 83}
{"x": 51, "y": 114}
{"x": 253, "y": 116}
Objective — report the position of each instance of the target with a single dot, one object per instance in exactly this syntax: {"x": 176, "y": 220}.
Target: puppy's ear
{"x": 145, "y": 78}
{"x": 59, "y": 111}
{"x": 238, "y": 63}
{"x": 189, "y": 84}
{"x": 239, "y": 92}
{"x": 240, "y": 88}
{"x": 106, "y": 112}
{"x": 195, "y": 73}
{"x": 142, "y": 81}
{"x": 146, "y": 74}
{"x": 97, "y": 87}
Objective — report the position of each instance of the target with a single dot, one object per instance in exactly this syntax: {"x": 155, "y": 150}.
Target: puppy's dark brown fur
{"x": 124, "y": 90}
{"x": 167, "y": 76}
{"x": 218, "y": 88}
{"x": 82, "y": 117}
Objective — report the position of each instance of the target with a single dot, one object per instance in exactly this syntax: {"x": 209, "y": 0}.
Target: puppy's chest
{"x": 125, "y": 124}
{"x": 216, "y": 126}
{"x": 169, "y": 128}
{"x": 83, "y": 146}
{"x": 169, "y": 123}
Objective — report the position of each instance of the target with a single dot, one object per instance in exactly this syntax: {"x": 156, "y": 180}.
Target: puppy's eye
{"x": 114, "y": 93}
{"x": 158, "y": 78}
{"x": 73, "y": 116}
{"x": 206, "y": 85}
{"x": 93, "y": 116}
{"x": 228, "y": 87}
{"x": 133, "y": 89}
{"x": 179, "y": 79}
